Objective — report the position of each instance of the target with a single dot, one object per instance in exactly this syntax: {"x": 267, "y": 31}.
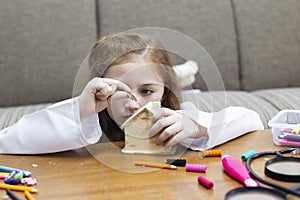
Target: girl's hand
{"x": 95, "y": 97}
{"x": 174, "y": 127}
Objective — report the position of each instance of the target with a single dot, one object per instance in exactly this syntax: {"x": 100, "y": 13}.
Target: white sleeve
{"x": 223, "y": 126}
{"x": 53, "y": 129}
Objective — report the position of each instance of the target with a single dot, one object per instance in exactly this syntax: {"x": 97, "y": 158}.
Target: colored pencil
{"x": 152, "y": 164}
{"x": 295, "y": 138}
{"x": 18, "y": 187}
{"x": 12, "y": 195}
{"x": 10, "y": 169}
{"x": 289, "y": 143}
{"x": 28, "y": 195}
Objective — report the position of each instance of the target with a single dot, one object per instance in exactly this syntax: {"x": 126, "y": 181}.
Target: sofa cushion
{"x": 207, "y": 22}
{"x": 217, "y": 100}
{"x": 10, "y": 115}
{"x": 269, "y": 37}
{"x": 281, "y": 98}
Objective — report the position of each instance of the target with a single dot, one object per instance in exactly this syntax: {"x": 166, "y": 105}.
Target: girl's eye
{"x": 146, "y": 92}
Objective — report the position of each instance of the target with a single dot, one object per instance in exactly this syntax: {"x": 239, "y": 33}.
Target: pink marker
{"x": 289, "y": 143}
{"x": 2, "y": 176}
{"x": 236, "y": 169}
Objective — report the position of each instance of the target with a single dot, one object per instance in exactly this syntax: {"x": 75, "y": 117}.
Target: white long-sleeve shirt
{"x": 59, "y": 128}
{"x": 222, "y": 126}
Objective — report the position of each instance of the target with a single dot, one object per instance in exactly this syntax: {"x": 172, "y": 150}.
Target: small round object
{"x": 205, "y": 182}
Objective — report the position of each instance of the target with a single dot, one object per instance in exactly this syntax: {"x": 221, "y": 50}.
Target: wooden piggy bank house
{"x": 137, "y": 127}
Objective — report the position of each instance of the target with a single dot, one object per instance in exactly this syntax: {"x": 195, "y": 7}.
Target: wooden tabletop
{"x": 103, "y": 172}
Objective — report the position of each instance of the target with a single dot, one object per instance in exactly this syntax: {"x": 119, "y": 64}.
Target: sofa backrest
{"x": 208, "y": 22}
{"x": 255, "y": 44}
{"x": 42, "y": 46}
{"x": 269, "y": 43}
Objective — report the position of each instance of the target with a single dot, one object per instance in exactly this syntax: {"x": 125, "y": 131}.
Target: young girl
{"x": 127, "y": 71}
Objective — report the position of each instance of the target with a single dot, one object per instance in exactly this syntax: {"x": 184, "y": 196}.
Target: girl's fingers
{"x": 160, "y": 120}
{"x": 168, "y": 133}
{"x": 116, "y": 85}
{"x": 187, "y": 128}
{"x": 103, "y": 91}
{"x": 158, "y": 126}
{"x": 164, "y": 112}
{"x": 170, "y": 126}
{"x": 176, "y": 139}
{"x": 175, "y": 128}
{"x": 115, "y": 97}
{"x": 106, "y": 87}
{"x": 123, "y": 87}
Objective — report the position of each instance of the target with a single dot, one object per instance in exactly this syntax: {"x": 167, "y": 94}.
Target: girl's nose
{"x": 133, "y": 106}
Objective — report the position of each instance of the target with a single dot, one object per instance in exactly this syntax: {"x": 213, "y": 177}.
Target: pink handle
{"x": 236, "y": 169}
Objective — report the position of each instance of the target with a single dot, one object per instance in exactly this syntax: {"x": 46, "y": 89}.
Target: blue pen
{"x": 12, "y": 195}
{"x": 9, "y": 169}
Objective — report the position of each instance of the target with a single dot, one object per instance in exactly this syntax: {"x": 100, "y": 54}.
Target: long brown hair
{"x": 122, "y": 48}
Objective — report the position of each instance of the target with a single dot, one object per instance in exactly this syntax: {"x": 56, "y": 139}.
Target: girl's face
{"x": 145, "y": 83}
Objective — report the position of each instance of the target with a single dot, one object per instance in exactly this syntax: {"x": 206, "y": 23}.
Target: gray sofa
{"x": 254, "y": 43}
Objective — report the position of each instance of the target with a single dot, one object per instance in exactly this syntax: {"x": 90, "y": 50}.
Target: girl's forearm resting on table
{"x": 53, "y": 129}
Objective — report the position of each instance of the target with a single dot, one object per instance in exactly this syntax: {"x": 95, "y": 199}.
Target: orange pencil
{"x": 17, "y": 187}
{"x": 152, "y": 164}
{"x": 28, "y": 195}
